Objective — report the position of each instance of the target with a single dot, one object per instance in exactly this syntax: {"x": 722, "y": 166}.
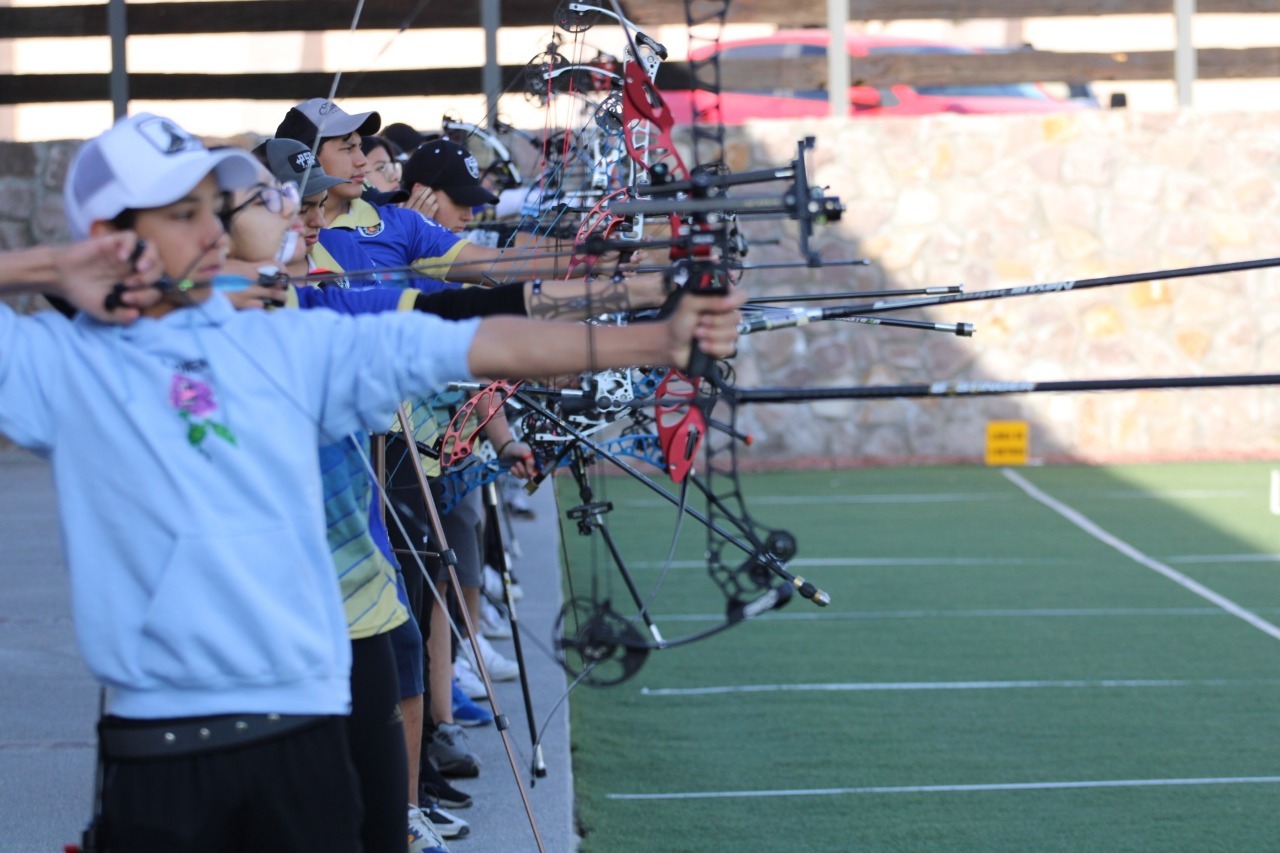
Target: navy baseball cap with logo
{"x": 144, "y": 161}
{"x": 321, "y": 118}
{"x": 292, "y": 162}
{"x": 444, "y": 165}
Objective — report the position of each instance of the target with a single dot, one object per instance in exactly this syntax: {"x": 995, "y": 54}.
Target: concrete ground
{"x": 48, "y": 701}
{"x": 498, "y": 820}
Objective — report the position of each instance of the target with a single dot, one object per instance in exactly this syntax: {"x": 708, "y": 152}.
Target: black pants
{"x": 376, "y": 732}
{"x": 296, "y": 793}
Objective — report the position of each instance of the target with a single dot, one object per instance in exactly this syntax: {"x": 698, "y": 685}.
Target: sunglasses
{"x": 272, "y": 198}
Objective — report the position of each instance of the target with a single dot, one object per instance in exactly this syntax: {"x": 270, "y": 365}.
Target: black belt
{"x": 124, "y": 739}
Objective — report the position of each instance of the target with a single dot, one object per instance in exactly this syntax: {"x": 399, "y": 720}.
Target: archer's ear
{"x": 101, "y": 228}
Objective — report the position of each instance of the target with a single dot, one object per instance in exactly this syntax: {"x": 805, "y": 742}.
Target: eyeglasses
{"x": 390, "y": 169}
{"x": 272, "y": 198}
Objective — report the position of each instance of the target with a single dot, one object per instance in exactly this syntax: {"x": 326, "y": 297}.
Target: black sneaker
{"x": 443, "y": 793}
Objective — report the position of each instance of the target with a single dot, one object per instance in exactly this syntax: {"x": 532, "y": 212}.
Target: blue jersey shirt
{"x": 395, "y": 237}
{"x": 343, "y": 250}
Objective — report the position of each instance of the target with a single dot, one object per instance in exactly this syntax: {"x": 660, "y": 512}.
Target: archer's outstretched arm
{"x": 85, "y": 274}
{"x": 482, "y": 265}
{"x": 582, "y": 298}
{"x": 547, "y": 300}
{"x": 515, "y": 346}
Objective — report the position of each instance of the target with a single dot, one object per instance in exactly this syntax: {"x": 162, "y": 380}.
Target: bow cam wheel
{"x": 596, "y": 640}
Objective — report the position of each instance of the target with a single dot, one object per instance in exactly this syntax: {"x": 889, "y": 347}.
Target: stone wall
{"x": 31, "y": 177}
{"x": 993, "y": 202}
{"x": 989, "y": 202}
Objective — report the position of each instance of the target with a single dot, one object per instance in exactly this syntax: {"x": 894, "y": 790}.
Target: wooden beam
{"x": 266, "y": 16}
{"x": 63, "y": 88}
{"x": 812, "y": 13}
{"x": 933, "y": 69}
{"x": 941, "y": 69}
{"x": 256, "y": 16}
{"x": 967, "y": 69}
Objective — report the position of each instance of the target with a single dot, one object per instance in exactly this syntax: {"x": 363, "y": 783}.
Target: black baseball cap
{"x": 444, "y": 165}
{"x": 290, "y": 161}
{"x": 323, "y": 119}
{"x": 406, "y": 137}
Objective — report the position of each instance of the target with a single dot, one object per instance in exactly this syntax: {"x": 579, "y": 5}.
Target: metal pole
{"x": 838, "y": 58}
{"x": 1184, "y": 55}
{"x": 491, "y": 78}
{"x": 118, "y": 29}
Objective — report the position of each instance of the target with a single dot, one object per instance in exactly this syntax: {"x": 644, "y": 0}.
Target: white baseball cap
{"x": 145, "y": 161}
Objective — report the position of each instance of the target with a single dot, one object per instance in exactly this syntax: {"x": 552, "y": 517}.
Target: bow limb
{"x": 457, "y": 443}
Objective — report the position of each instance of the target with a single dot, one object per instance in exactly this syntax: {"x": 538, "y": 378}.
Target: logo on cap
{"x": 302, "y": 161}
{"x": 167, "y": 137}
{"x": 473, "y": 166}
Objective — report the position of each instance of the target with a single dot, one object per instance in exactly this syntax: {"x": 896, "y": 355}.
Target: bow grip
{"x": 700, "y": 364}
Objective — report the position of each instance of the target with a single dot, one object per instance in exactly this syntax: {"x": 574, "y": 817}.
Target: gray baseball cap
{"x": 290, "y": 161}
{"x": 320, "y": 118}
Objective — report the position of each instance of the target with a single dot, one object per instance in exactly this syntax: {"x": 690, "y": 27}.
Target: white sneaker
{"x": 499, "y": 667}
{"x": 423, "y": 837}
{"x": 492, "y": 623}
{"x": 493, "y": 586}
{"x": 447, "y": 824}
{"x": 516, "y": 498}
{"x": 468, "y": 682}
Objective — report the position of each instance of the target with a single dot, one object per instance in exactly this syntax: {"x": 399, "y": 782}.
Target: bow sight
{"x": 704, "y": 194}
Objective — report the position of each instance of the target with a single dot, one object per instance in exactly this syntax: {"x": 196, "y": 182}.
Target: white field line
{"x": 890, "y": 498}
{"x": 953, "y": 789}
{"x": 1223, "y": 558}
{"x": 907, "y": 686}
{"x": 1028, "y": 613}
{"x": 856, "y": 562}
{"x": 1137, "y": 556}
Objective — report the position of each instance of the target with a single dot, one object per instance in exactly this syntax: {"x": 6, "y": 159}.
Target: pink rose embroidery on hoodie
{"x": 194, "y": 401}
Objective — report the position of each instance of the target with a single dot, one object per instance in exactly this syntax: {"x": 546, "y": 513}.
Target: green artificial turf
{"x": 1008, "y": 647}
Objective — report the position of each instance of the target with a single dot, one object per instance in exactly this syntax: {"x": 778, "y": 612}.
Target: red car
{"x": 738, "y": 105}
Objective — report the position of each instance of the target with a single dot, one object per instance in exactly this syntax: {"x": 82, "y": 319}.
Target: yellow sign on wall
{"x": 1007, "y": 442}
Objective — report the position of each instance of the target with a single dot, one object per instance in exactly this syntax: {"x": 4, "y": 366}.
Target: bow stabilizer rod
{"x": 853, "y": 294}
{"x": 1065, "y": 286}
{"x": 779, "y": 319}
{"x": 994, "y": 388}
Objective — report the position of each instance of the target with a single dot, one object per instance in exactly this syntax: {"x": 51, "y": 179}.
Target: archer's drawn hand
{"x": 109, "y": 278}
